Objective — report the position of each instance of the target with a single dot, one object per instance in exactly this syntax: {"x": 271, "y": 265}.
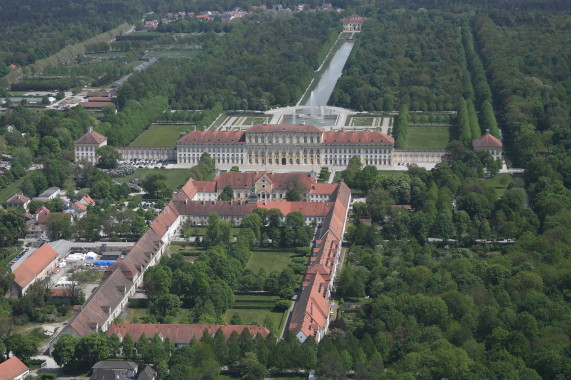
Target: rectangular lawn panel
{"x": 269, "y": 260}
{"x": 427, "y": 137}
{"x": 175, "y": 177}
{"x": 254, "y": 308}
{"x": 161, "y": 135}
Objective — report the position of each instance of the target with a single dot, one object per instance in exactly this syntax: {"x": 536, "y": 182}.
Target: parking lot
{"x": 149, "y": 164}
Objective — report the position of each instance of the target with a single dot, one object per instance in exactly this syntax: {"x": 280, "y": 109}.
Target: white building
{"x": 87, "y": 144}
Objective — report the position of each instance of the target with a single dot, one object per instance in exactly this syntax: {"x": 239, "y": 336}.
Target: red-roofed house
{"x": 35, "y": 267}
{"x": 87, "y": 144}
{"x": 310, "y": 316}
{"x": 489, "y": 143}
{"x": 13, "y": 369}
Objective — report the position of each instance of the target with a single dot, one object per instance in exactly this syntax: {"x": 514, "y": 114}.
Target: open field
{"x": 175, "y": 177}
{"x": 269, "y": 260}
{"x": 172, "y": 53}
{"x": 427, "y": 137}
{"x": 11, "y": 189}
{"x": 161, "y": 135}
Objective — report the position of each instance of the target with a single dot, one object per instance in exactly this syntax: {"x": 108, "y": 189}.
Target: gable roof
{"x": 371, "y": 137}
{"x": 265, "y": 128}
{"x": 486, "y": 141}
{"x": 311, "y": 310}
{"x": 205, "y": 186}
{"x": 115, "y": 364}
{"x": 91, "y": 137}
{"x": 12, "y": 368}
{"x": 18, "y": 199}
{"x": 180, "y": 333}
{"x": 34, "y": 265}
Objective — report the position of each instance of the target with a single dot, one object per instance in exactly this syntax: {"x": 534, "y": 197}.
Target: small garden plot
{"x": 427, "y": 137}
{"x": 363, "y": 121}
{"x": 162, "y": 135}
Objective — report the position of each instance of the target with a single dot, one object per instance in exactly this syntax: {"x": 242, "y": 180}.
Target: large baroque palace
{"x": 286, "y": 144}
{"x": 277, "y": 145}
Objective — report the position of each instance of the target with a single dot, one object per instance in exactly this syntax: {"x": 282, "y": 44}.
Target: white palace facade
{"x": 286, "y": 144}
{"x": 279, "y": 145}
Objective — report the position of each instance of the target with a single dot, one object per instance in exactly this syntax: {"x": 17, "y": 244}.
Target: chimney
{"x": 240, "y": 202}
{"x": 215, "y": 201}
{"x": 203, "y": 201}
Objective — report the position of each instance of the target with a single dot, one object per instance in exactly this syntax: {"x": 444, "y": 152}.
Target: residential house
{"x": 18, "y": 200}
{"x": 13, "y": 369}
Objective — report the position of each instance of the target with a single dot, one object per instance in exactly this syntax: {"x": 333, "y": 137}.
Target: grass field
{"x": 161, "y": 135}
{"x": 500, "y": 183}
{"x": 254, "y": 308}
{"x": 175, "y": 177}
{"x": 11, "y": 189}
{"x": 172, "y": 53}
{"x": 269, "y": 260}
{"x": 427, "y": 137}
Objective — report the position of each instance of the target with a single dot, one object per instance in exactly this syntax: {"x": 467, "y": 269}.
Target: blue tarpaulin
{"x": 104, "y": 263}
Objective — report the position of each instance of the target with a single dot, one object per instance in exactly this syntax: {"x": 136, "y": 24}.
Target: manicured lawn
{"x": 161, "y": 135}
{"x": 427, "y": 137}
{"x": 254, "y": 120}
{"x": 175, "y": 177}
{"x": 172, "y": 53}
{"x": 11, "y": 189}
{"x": 269, "y": 260}
{"x": 363, "y": 121}
{"x": 254, "y": 308}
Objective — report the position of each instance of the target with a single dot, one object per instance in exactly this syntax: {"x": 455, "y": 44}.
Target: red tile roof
{"x": 323, "y": 188}
{"x": 224, "y": 137}
{"x": 307, "y": 209}
{"x": 34, "y": 265}
{"x": 205, "y": 186}
{"x": 279, "y": 181}
{"x": 87, "y": 199}
{"x": 284, "y": 128}
{"x": 180, "y": 333}
{"x": 12, "y": 368}
{"x": 44, "y": 209}
{"x": 486, "y": 141}
{"x": 165, "y": 220}
{"x": 96, "y": 310}
{"x": 91, "y": 137}
{"x": 106, "y": 99}
{"x": 311, "y": 311}
{"x": 374, "y": 137}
